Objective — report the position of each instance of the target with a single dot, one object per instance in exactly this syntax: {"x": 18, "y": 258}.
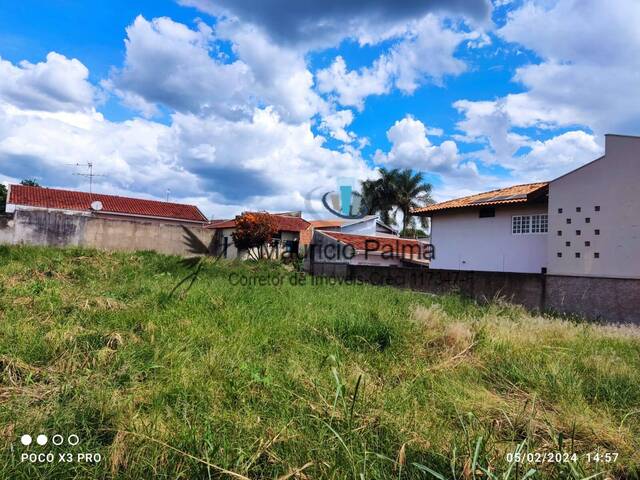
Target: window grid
{"x": 529, "y": 224}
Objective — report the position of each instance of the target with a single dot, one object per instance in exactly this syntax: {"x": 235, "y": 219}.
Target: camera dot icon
{"x": 41, "y": 439}
{"x": 25, "y": 440}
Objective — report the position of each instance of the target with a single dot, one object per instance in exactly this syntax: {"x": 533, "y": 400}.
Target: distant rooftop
{"x": 359, "y": 242}
{"x": 111, "y": 204}
{"x": 284, "y": 222}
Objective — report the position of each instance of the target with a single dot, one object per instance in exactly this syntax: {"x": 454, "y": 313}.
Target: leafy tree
{"x": 397, "y": 191}
{"x": 3, "y": 198}
{"x": 30, "y": 182}
{"x": 254, "y": 232}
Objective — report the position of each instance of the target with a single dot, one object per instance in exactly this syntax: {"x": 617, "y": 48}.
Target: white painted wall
{"x": 463, "y": 241}
{"x": 369, "y": 226}
{"x": 612, "y": 183}
{"x": 365, "y": 227}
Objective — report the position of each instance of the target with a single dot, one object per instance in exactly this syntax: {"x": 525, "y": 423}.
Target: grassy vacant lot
{"x": 331, "y": 382}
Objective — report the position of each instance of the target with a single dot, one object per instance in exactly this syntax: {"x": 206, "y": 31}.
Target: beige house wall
{"x": 61, "y": 228}
{"x": 608, "y": 240}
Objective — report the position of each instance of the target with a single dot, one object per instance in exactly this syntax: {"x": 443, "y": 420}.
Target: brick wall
{"x": 602, "y": 299}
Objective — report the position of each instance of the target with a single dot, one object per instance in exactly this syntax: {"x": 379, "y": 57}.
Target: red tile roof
{"x": 291, "y": 224}
{"x": 514, "y": 194}
{"x": 403, "y": 246}
{"x": 327, "y": 223}
{"x": 284, "y": 223}
{"x": 81, "y": 201}
{"x": 222, "y": 224}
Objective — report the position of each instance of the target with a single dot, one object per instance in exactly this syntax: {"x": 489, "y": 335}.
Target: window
{"x": 597, "y": 208}
{"x": 578, "y": 209}
{"x": 568, "y": 221}
{"x": 596, "y": 231}
{"x": 587, "y": 220}
{"x": 596, "y": 255}
{"x": 567, "y": 244}
{"x": 577, "y": 254}
{"x": 578, "y": 232}
{"x": 487, "y": 212}
{"x": 516, "y": 225}
{"x": 559, "y": 254}
{"x": 523, "y": 224}
{"x": 587, "y": 243}
{"x": 559, "y": 210}
{"x": 559, "y": 233}
{"x": 539, "y": 223}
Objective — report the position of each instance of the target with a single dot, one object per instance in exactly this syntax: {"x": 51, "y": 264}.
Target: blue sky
{"x": 240, "y": 104}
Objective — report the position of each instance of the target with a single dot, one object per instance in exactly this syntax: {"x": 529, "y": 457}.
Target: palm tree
{"x": 411, "y": 191}
{"x": 378, "y": 196}
{"x": 396, "y": 190}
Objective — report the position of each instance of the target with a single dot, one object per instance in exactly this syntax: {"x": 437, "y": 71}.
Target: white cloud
{"x": 425, "y": 54}
{"x": 590, "y": 70}
{"x": 335, "y": 124}
{"x": 411, "y": 148}
{"x": 489, "y": 122}
{"x": 261, "y": 161}
{"x": 588, "y": 79}
{"x": 279, "y": 76}
{"x": 169, "y": 64}
{"x": 57, "y": 84}
{"x": 352, "y": 87}
{"x": 130, "y": 153}
{"x": 554, "y": 157}
{"x": 228, "y": 166}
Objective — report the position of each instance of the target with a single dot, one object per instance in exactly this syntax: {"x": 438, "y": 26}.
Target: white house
{"x": 584, "y": 223}
{"x": 502, "y": 230}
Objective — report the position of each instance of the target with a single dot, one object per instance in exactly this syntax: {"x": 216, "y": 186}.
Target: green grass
{"x": 313, "y": 381}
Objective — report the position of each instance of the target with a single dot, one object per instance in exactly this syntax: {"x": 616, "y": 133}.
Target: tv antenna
{"x": 90, "y": 175}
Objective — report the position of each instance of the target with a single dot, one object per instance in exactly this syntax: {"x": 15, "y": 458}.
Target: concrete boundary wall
{"x": 56, "y": 228}
{"x": 601, "y": 299}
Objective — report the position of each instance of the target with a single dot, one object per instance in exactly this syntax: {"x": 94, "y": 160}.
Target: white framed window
{"x": 516, "y": 225}
{"x": 527, "y": 224}
{"x": 539, "y": 223}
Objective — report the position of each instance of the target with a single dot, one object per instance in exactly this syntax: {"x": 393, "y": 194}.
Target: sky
{"x": 240, "y": 105}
